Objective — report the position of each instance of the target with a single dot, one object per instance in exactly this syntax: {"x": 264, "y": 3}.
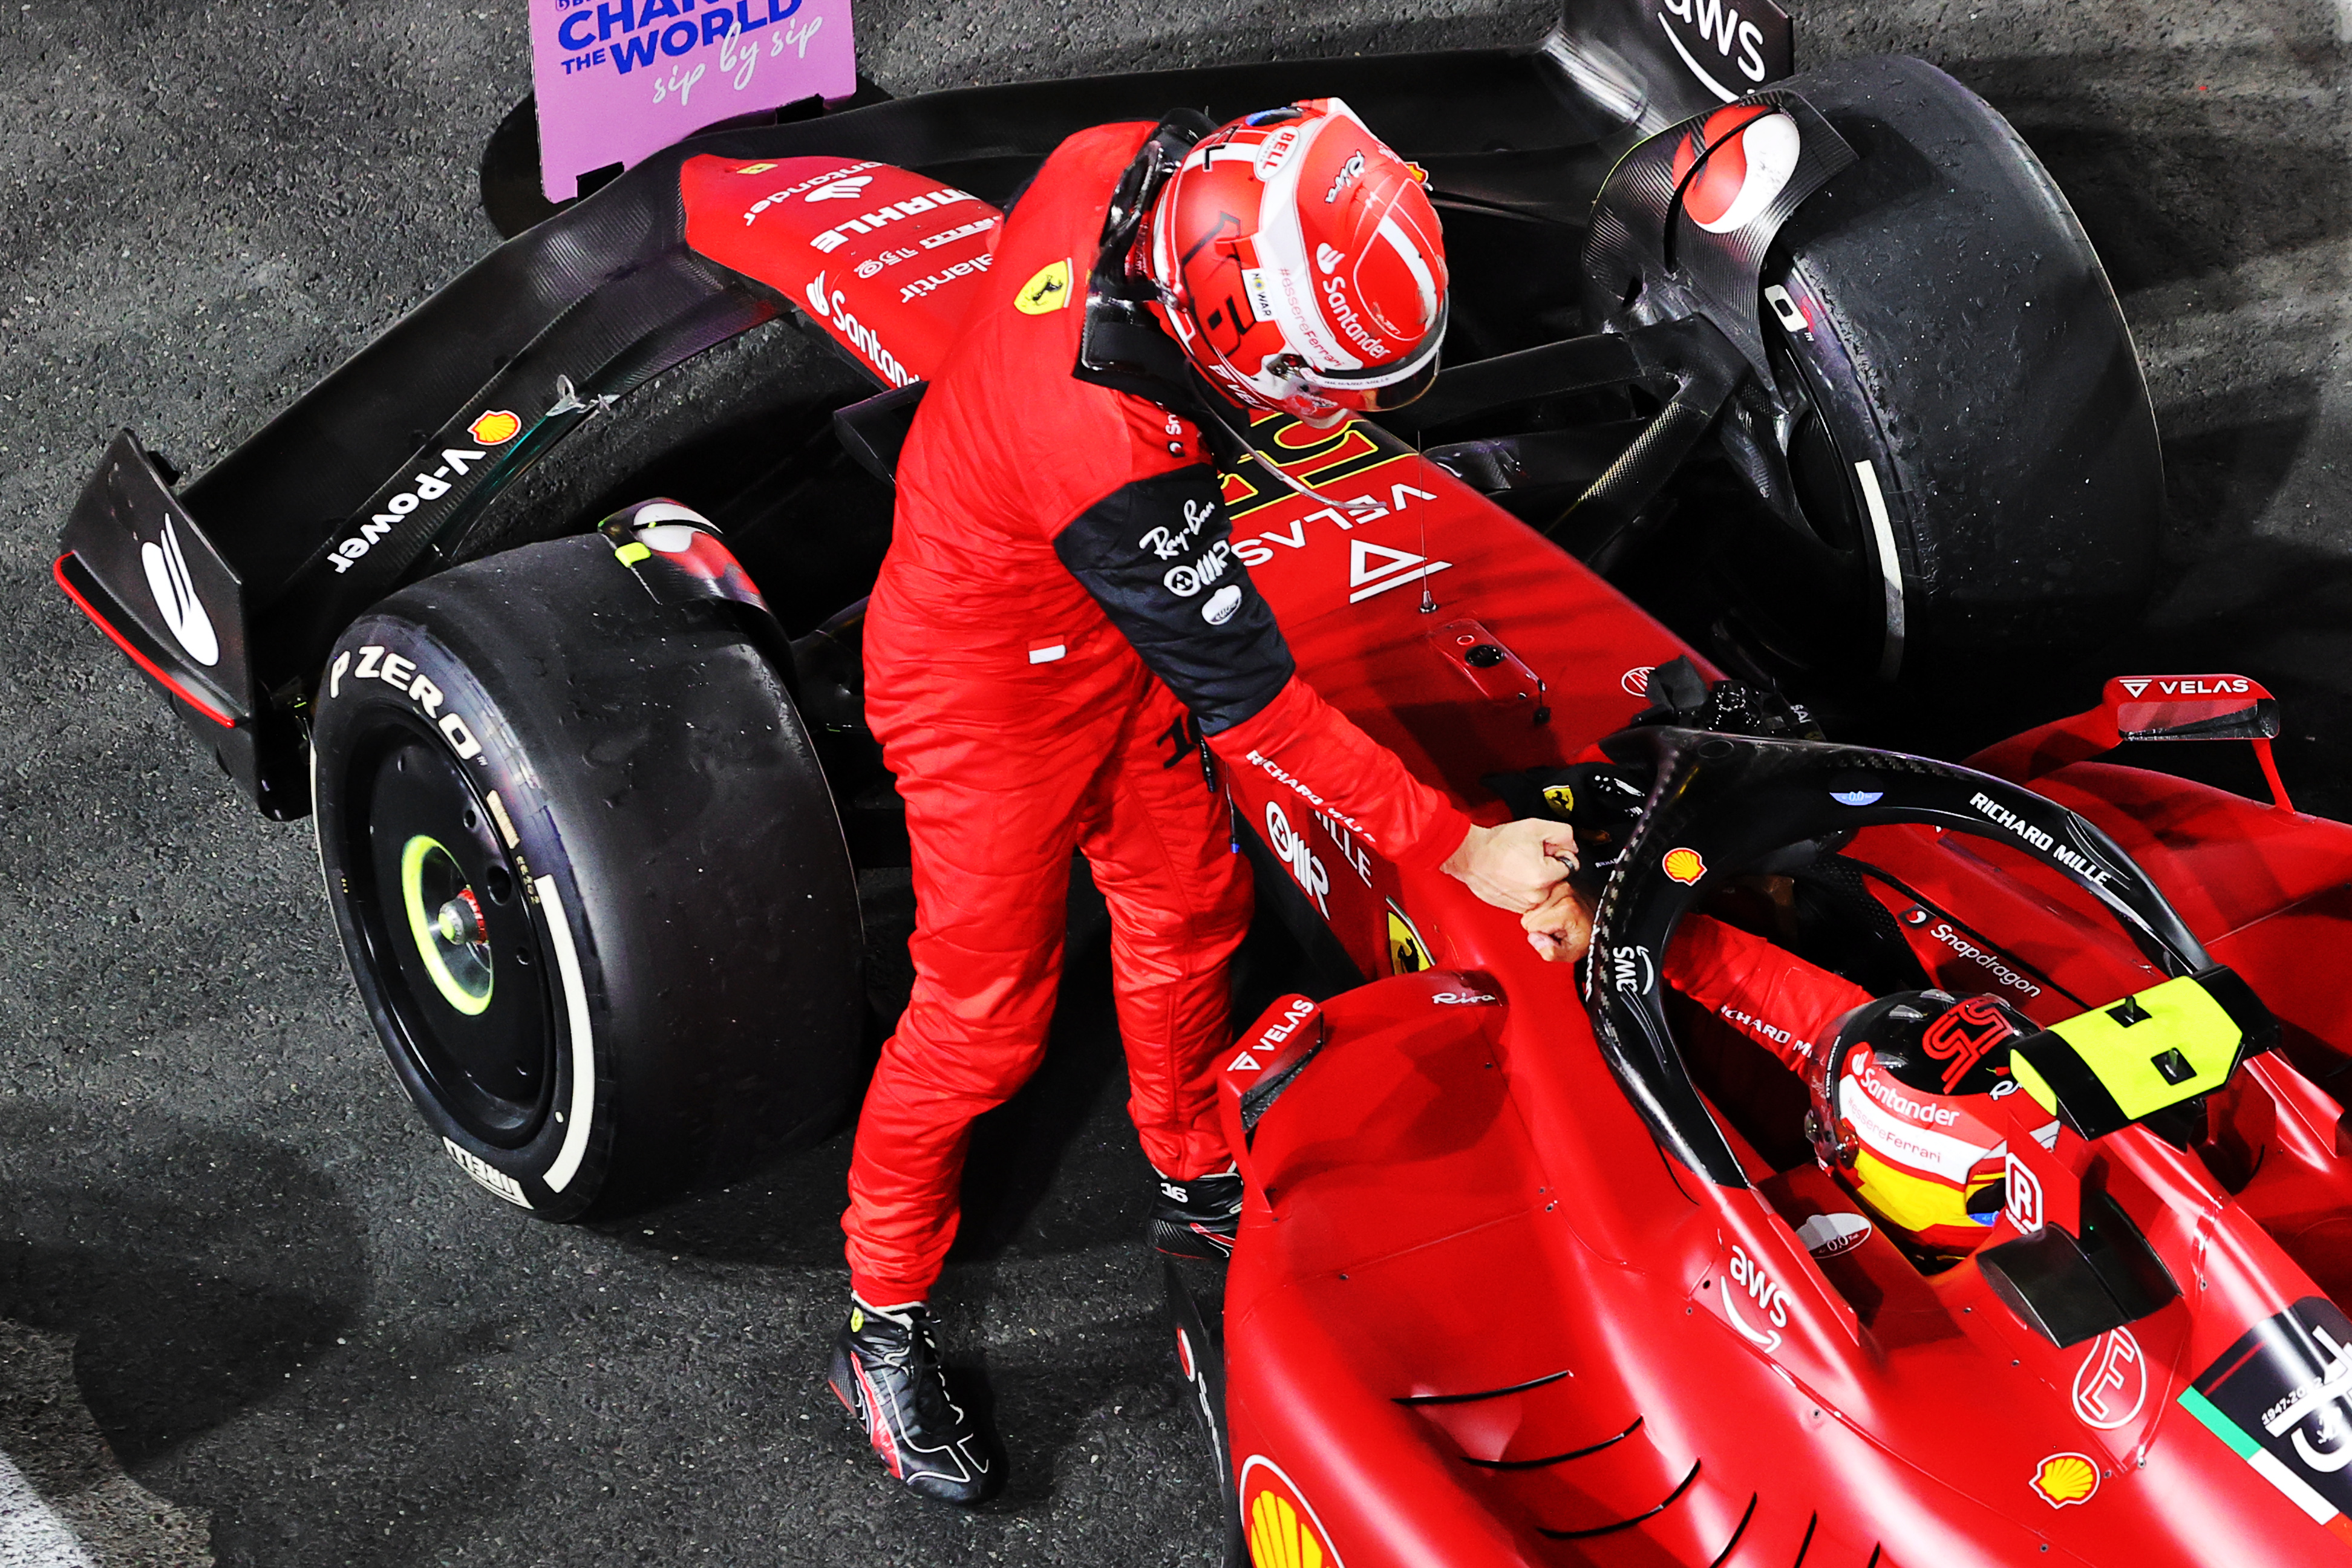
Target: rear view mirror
{"x": 2191, "y": 708}
{"x": 2148, "y": 708}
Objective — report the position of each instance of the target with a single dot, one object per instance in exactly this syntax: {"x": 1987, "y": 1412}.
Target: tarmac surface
{"x": 250, "y": 1315}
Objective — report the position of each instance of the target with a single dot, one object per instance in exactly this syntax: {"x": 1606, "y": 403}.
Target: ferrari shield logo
{"x": 1408, "y": 954}
{"x": 1048, "y": 290}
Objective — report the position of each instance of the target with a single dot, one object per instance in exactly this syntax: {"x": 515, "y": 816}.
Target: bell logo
{"x": 175, "y": 596}
{"x": 839, "y": 190}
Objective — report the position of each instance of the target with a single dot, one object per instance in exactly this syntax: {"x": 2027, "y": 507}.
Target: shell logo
{"x": 1282, "y": 1528}
{"x": 495, "y": 428}
{"x": 1684, "y": 865}
{"x": 2064, "y": 1479}
{"x": 1751, "y": 153}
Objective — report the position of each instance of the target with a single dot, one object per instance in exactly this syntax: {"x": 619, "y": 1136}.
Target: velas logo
{"x": 1376, "y": 568}
{"x": 2063, "y": 1480}
{"x": 1283, "y": 1529}
{"x": 840, "y": 190}
{"x": 495, "y": 428}
{"x": 1684, "y": 865}
{"x": 1744, "y": 156}
{"x": 175, "y": 596}
{"x": 2134, "y": 687}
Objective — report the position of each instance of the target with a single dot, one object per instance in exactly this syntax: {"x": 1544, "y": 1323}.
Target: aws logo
{"x": 1730, "y": 47}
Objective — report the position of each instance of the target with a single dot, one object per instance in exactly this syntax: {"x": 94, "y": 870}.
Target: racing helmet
{"x": 1300, "y": 265}
{"x": 1905, "y": 1115}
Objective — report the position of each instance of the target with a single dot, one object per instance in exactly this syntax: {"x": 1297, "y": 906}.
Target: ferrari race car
{"x": 591, "y": 786}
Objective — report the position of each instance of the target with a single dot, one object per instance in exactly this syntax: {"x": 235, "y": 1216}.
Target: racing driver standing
{"x": 1062, "y": 649}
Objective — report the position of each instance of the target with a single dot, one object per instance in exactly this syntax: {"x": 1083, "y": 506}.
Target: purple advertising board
{"x": 616, "y": 79}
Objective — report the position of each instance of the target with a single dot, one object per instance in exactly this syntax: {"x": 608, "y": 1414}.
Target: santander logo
{"x": 819, "y": 302}
{"x": 839, "y": 190}
{"x": 176, "y": 595}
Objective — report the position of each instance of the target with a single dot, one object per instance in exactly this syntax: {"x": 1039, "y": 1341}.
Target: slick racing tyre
{"x": 589, "y": 877}
{"x": 1973, "y": 446}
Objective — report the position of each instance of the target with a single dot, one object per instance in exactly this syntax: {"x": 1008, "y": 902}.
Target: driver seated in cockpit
{"x": 1904, "y": 1087}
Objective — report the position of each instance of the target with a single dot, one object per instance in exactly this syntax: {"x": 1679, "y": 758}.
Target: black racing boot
{"x": 886, "y": 1370}
{"x": 1198, "y": 1218}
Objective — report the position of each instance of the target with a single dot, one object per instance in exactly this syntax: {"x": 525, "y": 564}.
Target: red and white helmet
{"x": 1300, "y": 264}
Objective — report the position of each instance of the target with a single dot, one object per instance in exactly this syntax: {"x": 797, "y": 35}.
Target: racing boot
{"x": 1198, "y": 1218}
{"x": 886, "y": 1373}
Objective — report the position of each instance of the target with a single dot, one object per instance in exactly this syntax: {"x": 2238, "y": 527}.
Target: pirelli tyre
{"x": 589, "y": 877}
{"x": 1974, "y": 448}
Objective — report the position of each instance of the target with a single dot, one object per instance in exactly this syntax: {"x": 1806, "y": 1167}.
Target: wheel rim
{"x": 456, "y": 957}
{"x": 446, "y": 921}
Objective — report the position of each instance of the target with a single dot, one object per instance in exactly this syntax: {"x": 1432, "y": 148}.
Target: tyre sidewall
{"x": 414, "y": 682}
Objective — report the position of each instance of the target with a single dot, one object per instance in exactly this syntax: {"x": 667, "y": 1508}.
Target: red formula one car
{"x": 1538, "y": 1266}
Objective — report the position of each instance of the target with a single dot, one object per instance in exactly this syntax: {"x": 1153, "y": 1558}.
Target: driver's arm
{"x": 1157, "y": 555}
{"x": 1767, "y": 993}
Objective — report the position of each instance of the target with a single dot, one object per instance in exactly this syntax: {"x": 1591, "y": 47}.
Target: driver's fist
{"x": 1516, "y": 866}
{"x": 1561, "y": 928}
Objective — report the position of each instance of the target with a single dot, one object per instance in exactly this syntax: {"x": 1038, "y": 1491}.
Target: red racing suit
{"x": 1060, "y": 593}
{"x": 1787, "y": 1006}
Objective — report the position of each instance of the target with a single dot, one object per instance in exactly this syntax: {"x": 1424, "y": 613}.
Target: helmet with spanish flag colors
{"x": 1905, "y": 1114}
{"x": 1299, "y": 263}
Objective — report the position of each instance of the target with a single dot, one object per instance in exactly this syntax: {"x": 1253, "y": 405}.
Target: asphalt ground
{"x": 253, "y": 1315}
